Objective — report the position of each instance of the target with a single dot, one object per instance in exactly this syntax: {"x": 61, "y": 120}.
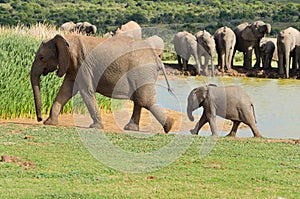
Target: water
{"x": 276, "y": 101}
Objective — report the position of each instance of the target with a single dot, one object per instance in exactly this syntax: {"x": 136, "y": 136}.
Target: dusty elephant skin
{"x": 186, "y": 45}
{"x": 248, "y": 37}
{"x": 119, "y": 67}
{"x": 225, "y": 41}
{"x": 230, "y": 102}
{"x": 287, "y": 41}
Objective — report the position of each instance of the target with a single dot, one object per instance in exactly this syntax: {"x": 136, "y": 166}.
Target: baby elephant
{"x": 230, "y": 102}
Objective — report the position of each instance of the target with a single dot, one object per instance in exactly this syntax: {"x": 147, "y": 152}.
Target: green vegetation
{"x": 190, "y": 15}
{"x": 18, "y": 47}
{"x": 53, "y": 163}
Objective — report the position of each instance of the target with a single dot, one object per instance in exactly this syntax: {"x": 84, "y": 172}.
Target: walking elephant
{"x": 268, "y": 51}
{"x": 230, "y": 102}
{"x": 119, "y": 67}
{"x": 206, "y": 40}
{"x": 286, "y": 43}
{"x": 225, "y": 42}
{"x": 130, "y": 29}
{"x": 248, "y": 37}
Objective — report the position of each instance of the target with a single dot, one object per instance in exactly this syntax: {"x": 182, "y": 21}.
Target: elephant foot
{"x": 231, "y": 134}
{"x": 131, "y": 127}
{"x": 96, "y": 126}
{"x": 194, "y": 132}
{"x": 50, "y": 121}
{"x": 168, "y": 124}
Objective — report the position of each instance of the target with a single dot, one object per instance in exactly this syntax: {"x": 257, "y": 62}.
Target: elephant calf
{"x": 230, "y": 102}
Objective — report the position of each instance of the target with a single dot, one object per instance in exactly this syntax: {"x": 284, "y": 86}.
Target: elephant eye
{"x": 41, "y": 58}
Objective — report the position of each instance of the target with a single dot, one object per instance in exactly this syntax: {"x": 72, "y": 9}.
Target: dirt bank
{"x": 237, "y": 71}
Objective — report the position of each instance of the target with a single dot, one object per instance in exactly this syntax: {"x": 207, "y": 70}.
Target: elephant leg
{"x": 87, "y": 93}
{"x": 257, "y": 56}
{"x": 64, "y": 94}
{"x": 179, "y": 61}
{"x": 222, "y": 62}
{"x": 145, "y": 96}
{"x": 203, "y": 120}
{"x": 234, "y": 128}
{"x": 185, "y": 64}
{"x": 134, "y": 122}
{"x": 254, "y": 129}
{"x": 213, "y": 125}
{"x": 248, "y": 59}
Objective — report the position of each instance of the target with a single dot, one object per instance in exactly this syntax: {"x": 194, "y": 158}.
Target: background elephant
{"x": 268, "y": 51}
{"x": 206, "y": 40}
{"x": 85, "y": 28}
{"x": 248, "y": 37}
{"x": 80, "y": 27}
{"x": 157, "y": 44}
{"x": 225, "y": 41}
{"x": 122, "y": 61}
{"x": 67, "y": 27}
{"x": 186, "y": 45}
{"x": 130, "y": 29}
{"x": 230, "y": 102}
{"x": 286, "y": 43}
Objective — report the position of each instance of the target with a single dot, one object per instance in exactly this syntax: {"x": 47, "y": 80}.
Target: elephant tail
{"x": 254, "y": 113}
{"x": 162, "y": 67}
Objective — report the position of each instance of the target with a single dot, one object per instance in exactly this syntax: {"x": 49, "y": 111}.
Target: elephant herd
{"x": 245, "y": 38}
{"x": 125, "y": 66}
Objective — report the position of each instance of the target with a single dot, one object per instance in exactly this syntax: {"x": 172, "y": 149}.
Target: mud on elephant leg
{"x": 133, "y": 124}
{"x": 203, "y": 120}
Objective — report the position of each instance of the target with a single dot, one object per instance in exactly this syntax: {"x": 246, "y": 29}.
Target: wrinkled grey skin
{"x": 157, "y": 43}
{"x": 248, "y": 37}
{"x": 268, "y": 51}
{"x": 127, "y": 69}
{"x": 130, "y": 29}
{"x": 206, "y": 40}
{"x": 225, "y": 41}
{"x": 186, "y": 45}
{"x": 230, "y": 102}
{"x": 80, "y": 27}
{"x": 286, "y": 43}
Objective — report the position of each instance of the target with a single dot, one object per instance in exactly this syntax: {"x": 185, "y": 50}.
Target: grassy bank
{"x": 18, "y": 47}
{"x": 54, "y": 163}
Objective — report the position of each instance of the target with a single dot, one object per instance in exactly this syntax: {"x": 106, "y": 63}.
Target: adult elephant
{"x": 268, "y": 51}
{"x": 85, "y": 28}
{"x": 126, "y": 69}
{"x": 287, "y": 40}
{"x": 186, "y": 45}
{"x": 230, "y": 102}
{"x": 67, "y": 26}
{"x": 80, "y": 27}
{"x": 225, "y": 42}
{"x": 206, "y": 40}
{"x": 248, "y": 37}
{"x": 130, "y": 29}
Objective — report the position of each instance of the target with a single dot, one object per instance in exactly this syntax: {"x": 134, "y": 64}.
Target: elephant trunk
{"x": 190, "y": 113}
{"x": 287, "y": 61}
{"x": 35, "y": 83}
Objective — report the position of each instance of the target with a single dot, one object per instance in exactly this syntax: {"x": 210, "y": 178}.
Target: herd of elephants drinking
{"x": 125, "y": 66}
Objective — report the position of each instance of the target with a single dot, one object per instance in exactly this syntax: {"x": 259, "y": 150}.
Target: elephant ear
{"x": 63, "y": 54}
{"x": 248, "y": 33}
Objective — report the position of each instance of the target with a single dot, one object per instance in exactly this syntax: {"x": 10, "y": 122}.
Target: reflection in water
{"x": 277, "y": 102}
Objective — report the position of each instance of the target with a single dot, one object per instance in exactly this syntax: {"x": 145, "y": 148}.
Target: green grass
{"x": 62, "y": 167}
{"x": 18, "y": 48}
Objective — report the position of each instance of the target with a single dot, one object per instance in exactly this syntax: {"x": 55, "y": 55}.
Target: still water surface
{"x": 277, "y": 102}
